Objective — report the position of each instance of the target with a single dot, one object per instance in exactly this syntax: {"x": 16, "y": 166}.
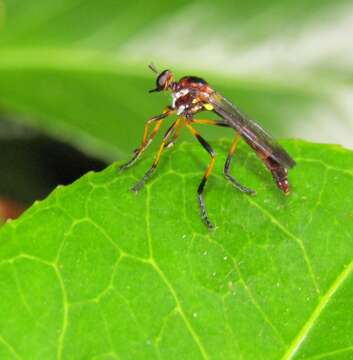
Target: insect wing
{"x": 252, "y": 132}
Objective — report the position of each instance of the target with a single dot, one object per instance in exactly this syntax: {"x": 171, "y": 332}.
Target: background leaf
{"x": 79, "y": 70}
{"x": 97, "y": 272}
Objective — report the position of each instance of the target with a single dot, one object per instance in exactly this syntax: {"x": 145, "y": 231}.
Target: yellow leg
{"x": 166, "y": 112}
{"x": 151, "y": 170}
{"x": 176, "y": 133}
{"x": 147, "y": 140}
{"x": 234, "y": 145}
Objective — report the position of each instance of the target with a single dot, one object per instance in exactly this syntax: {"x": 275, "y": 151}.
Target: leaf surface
{"x": 97, "y": 272}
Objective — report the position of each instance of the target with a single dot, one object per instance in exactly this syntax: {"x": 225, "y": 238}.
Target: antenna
{"x": 153, "y": 68}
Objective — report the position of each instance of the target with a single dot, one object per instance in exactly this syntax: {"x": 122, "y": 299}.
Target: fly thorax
{"x": 177, "y": 95}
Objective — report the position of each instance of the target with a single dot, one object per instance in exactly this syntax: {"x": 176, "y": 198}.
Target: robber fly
{"x": 192, "y": 95}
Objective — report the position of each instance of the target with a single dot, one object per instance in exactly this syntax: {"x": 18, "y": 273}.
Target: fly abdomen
{"x": 279, "y": 173}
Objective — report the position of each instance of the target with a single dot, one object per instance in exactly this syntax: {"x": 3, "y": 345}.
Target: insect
{"x": 192, "y": 95}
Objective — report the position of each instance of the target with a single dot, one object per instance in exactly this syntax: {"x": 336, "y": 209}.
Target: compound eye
{"x": 163, "y": 79}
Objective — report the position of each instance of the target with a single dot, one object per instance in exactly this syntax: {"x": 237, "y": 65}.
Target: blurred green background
{"x": 74, "y": 76}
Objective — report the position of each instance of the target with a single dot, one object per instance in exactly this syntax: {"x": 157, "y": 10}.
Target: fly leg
{"x": 196, "y": 121}
{"x": 147, "y": 140}
{"x": 231, "y": 152}
{"x": 176, "y": 133}
{"x": 151, "y": 170}
{"x": 200, "y": 190}
{"x": 228, "y": 176}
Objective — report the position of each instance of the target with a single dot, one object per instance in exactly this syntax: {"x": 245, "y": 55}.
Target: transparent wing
{"x": 252, "y": 132}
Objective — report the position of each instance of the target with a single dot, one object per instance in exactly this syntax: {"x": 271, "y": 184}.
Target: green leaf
{"x": 97, "y": 272}
{"x": 78, "y": 69}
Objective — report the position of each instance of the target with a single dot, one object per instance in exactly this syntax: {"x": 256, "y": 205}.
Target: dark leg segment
{"x": 147, "y": 140}
{"x": 231, "y": 178}
{"x": 151, "y": 170}
{"x": 201, "y": 187}
{"x": 228, "y": 176}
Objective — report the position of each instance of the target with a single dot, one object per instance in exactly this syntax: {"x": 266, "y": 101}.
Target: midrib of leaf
{"x": 304, "y": 331}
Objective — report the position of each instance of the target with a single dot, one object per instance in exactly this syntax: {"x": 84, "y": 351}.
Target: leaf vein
{"x": 298, "y": 240}
{"x": 10, "y": 348}
{"x": 65, "y": 313}
{"x": 304, "y": 331}
{"x": 249, "y": 293}
{"x": 332, "y": 353}
{"x": 187, "y": 322}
